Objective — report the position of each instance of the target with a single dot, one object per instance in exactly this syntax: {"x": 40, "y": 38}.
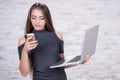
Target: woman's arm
{"x": 59, "y": 35}
{"x": 24, "y": 64}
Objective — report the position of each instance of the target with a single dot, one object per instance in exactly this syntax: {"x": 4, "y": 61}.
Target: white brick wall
{"x": 72, "y": 18}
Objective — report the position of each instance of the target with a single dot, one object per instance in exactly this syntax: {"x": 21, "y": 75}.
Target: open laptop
{"x": 88, "y": 48}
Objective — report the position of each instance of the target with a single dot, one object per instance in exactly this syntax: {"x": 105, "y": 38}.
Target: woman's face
{"x": 37, "y": 19}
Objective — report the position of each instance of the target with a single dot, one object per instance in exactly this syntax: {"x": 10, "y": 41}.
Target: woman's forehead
{"x": 36, "y": 12}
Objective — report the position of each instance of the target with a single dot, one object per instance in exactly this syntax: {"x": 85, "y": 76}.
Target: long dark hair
{"x": 48, "y": 23}
{"x": 46, "y": 13}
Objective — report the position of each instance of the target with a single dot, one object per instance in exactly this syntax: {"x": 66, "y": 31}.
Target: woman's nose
{"x": 37, "y": 21}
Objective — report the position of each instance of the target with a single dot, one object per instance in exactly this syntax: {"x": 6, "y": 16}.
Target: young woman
{"x": 37, "y": 55}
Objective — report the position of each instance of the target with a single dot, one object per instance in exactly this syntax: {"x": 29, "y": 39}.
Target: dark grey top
{"x": 44, "y": 55}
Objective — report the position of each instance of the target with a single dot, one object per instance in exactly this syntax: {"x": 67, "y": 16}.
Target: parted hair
{"x": 46, "y": 13}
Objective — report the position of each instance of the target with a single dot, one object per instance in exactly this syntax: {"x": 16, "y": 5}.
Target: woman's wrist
{"x": 25, "y": 50}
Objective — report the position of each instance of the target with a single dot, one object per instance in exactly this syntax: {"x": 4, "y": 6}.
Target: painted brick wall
{"x": 72, "y": 18}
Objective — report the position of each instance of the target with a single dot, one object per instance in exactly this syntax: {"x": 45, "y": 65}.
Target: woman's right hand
{"x": 30, "y": 44}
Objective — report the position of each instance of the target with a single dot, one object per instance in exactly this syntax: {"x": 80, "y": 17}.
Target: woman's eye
{"x": 42, "y": 18}
{"x": 33, "y": 17}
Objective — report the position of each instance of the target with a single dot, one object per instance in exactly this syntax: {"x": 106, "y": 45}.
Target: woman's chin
{"x": 38, "y": 28}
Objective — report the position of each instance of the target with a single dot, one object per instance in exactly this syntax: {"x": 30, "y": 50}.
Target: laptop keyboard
{"x": 60, "y": 62}
{"x": 77, "y": 58}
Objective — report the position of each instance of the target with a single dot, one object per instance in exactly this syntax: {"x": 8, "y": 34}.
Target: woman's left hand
{"x": 86, "y": 59}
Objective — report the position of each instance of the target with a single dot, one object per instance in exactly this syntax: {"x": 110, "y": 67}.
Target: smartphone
{"x": 32, "y": 35}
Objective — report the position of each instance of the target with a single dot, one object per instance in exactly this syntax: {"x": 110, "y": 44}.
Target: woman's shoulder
{"x": 59, "y": 35}
{"x": 21, "y": 41}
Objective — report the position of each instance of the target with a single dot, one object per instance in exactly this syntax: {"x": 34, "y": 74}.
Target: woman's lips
{"x": 37, "y": 25}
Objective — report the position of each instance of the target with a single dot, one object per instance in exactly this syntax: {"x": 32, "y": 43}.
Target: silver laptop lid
{"x": 90, "y": 41}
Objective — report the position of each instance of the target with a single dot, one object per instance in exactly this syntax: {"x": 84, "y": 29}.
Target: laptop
{"x": 88, "y": 48}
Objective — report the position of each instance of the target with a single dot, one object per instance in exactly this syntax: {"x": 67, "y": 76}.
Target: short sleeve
{"x": 61, "y": 46}
{"x": 20, "y": 48}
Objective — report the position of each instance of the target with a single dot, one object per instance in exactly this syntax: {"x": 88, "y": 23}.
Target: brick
{"x": 71, "y": 18}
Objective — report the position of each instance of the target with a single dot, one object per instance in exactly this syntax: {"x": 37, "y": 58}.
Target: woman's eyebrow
{"x": 36, "y": 16}
{"x": 41, "y": 16}
{"x": 33, "y": 15}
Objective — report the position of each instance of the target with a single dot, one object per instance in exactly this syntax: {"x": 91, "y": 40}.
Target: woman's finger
{"x": 33, "y": 42}
{"x": 87, "y": 58}
{"x": 29, "y": 38}
{"x": 32, "y": 47}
